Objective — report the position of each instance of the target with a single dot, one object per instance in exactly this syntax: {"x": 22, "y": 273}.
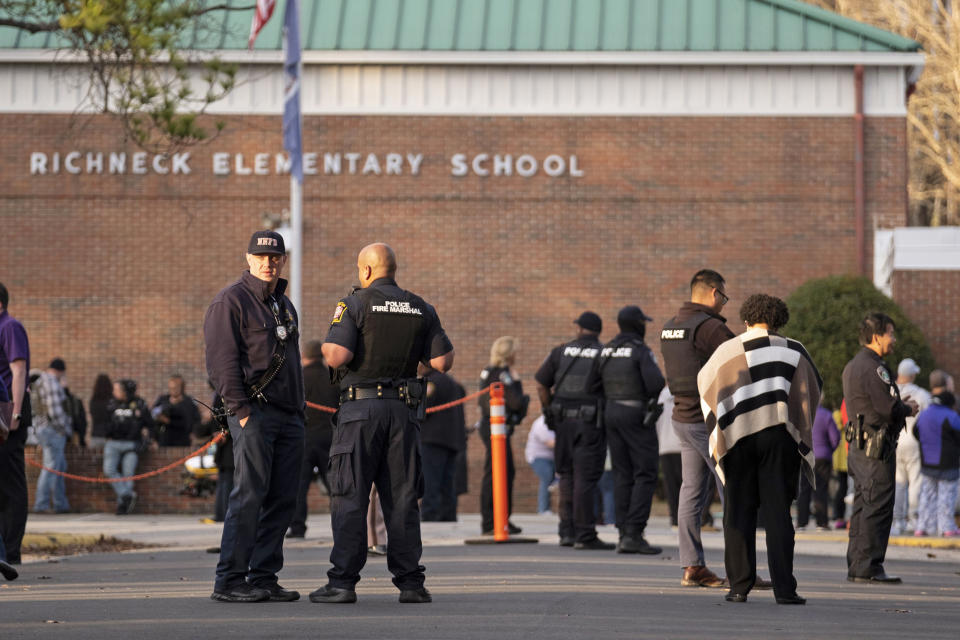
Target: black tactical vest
{"x": 392, "y": 337}
{"x": 573, "y": 374}
{"x": 622, "y": 379}
{"x": 681, "y": 361}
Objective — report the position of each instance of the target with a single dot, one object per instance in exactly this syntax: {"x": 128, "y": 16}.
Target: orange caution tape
{"x": 217, "y": 438}
{"x": 439, "y": 407}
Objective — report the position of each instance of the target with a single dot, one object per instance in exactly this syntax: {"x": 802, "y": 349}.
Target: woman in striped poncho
{"x": 759, "y": 393}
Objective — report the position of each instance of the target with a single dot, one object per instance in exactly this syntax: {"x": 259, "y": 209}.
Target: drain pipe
{"x": 858, "y": 181}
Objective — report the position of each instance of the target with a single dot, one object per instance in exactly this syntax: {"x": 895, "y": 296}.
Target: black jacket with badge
{"x": 389, "y": 331}
{"x": 628, "y": 371}
{"x": 870, "y": 391}
{"x": 240, "y": 332}
{"x": 128, "y": 418}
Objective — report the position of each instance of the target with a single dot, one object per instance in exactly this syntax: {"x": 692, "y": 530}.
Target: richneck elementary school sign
{"x": 225, "y": 163}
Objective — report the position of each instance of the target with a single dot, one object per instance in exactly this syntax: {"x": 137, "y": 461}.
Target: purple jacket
{"x": 826, "y": 436}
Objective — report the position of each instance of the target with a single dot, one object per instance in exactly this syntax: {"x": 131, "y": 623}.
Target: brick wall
{"x": 114, "y": 272}
{"x": 929, "y": 298}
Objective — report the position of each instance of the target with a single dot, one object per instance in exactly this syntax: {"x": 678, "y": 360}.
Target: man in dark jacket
{"x": 318, "y": 430}
{"x": 253, "y": 359}
{"x": 176, "y": 414}
{"x": 631, "y": 379}
{"x": 870, "y": 391}
{"x": 441, "y": 438}
{"x": 571, "y": 408}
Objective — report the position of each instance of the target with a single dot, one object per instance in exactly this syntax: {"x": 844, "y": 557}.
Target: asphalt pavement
{"x": 527, "y": 591}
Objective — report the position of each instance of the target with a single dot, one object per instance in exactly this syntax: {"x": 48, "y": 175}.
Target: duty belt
{"x": 630, "y": 403}
{"x": 380, "y": 392}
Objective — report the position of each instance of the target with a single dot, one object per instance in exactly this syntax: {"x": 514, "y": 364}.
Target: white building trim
{"x": 818, "y": 90}
{"x": 913, "y": 249}
{"x": 527, "y": 58}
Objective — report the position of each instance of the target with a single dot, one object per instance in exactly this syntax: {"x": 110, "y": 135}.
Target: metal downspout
{"x": 858, "y": 188}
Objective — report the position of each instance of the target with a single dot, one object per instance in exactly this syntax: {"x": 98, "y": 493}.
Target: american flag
{"x": 260, "y": 17}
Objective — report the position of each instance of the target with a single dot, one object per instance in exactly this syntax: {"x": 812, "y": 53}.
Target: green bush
{"x": 825, "y": 315}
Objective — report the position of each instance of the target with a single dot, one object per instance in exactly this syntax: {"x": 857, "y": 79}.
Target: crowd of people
{"x": 735, "y": 416}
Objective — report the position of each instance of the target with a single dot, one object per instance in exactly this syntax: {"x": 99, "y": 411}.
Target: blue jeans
{"x": 53, "y": 444}
{"x": 544, "y": 469}
{"x": 123, "y": 454}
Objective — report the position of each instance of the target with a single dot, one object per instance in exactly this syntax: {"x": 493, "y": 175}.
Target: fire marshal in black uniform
{"x": 378, "y": 336}
{"x": 876, "y": 415}
{"x": 631, "y": 385}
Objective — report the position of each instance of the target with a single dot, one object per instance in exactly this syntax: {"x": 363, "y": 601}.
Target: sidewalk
{"x": 188, "y": 532}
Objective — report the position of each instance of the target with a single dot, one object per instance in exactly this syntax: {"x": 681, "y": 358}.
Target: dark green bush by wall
{"x": 825, "y": 315}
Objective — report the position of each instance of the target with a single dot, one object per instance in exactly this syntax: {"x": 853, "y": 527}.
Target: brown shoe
{"x": 698, "y": 576}
{"x": 760, "y": 583}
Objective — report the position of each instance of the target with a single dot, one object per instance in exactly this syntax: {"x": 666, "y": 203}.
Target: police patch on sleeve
{"x": 884, "y": 375}
{"x": 338, "y": 312}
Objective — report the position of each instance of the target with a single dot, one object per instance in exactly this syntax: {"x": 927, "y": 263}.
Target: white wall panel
{"x": 692, "y": 90}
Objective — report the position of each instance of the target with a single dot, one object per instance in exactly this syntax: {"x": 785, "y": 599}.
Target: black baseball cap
{"x": 632, "y": 315}
{"x": 57, "y": 364}
{"x": 266, "y": 242}
{"x": 590, "y": 321}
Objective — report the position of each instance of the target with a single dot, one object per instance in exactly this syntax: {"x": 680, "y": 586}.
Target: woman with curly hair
{"x": 759, "y": 393}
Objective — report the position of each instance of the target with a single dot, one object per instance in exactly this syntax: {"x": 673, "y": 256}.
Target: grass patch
{"x": 66, "y": 544}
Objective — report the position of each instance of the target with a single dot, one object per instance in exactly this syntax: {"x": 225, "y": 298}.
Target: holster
{"x": 875, "y": 443}
{"x": 654, "y": 411}
{"x": 415, "y": 396}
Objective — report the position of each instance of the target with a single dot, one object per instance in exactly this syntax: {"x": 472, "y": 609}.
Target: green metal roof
{"x": 539, "y": 25}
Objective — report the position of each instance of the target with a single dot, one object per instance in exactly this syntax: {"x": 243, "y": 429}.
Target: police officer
{"x": 317, "y": 428}
{"x": 565, "y": 385}
{"x": 253, "y": 361}
{"x": 687, "y": 341}
{"x": 377, "y": 337}
{"x": 631, "y": 379}
{"x": 877, "y": 414}
{"x": 503, "y": 357}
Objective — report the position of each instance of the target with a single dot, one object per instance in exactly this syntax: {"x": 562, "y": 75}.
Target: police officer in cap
{"x": 877, "y": 414}
{"x": 631, "y": 380}
{"x": 253, "y": 361}
{"x": 378, "y": 336}
{"x": 567, "y": 390}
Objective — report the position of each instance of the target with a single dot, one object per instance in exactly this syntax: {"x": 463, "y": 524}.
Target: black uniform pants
{"x": 762, "y": 469}
{"x": 375, "y": 442}
{"x": 672, "y": 466}
{"x": 267, "y": 453}
{"x": 873, "y": 495}
{"x": 822, "y": 469}
{"x": 13, "y": 494}
{"x": 634, "y": 452}
{"x": 579, "y": 454}
{"x": 439, "y": 483}
{"x": 13, "y": 485}
{"x": 316, "y": 450}
{"x": 486, "y": 485}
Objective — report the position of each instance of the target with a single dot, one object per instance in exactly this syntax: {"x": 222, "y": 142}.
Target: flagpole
{"x": 296, "y": 234}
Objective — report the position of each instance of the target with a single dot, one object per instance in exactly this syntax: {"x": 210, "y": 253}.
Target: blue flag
{"x": 292, "y": 119}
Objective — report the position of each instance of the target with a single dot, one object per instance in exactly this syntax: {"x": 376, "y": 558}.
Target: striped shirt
{"x": 755, "y": 381}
